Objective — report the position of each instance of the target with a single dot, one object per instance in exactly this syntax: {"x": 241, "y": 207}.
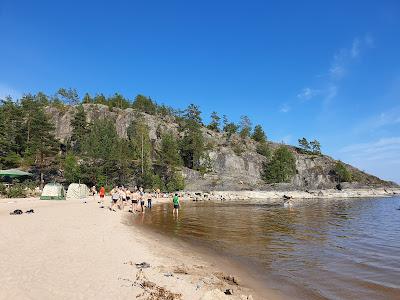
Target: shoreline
{"x": 75, "y": 250}
{"x": 275, "y": 195}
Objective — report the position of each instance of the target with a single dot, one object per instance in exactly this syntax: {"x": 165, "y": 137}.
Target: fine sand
{"x": 75, "y": 250}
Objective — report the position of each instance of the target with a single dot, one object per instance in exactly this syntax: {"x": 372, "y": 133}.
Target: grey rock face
{"x": 229, "y": 170}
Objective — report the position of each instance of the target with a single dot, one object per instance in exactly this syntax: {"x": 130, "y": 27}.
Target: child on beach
{"x": 175, "y": 201}
{"x": 114, "y": 198}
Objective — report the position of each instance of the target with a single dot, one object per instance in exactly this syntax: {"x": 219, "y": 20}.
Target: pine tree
{"x": 193, "y": 114}
{"x": 138, "y": 135}
{"x": 259, "y": 134}
{"x": 245, "y": 126}
{"x": 144, "y": 104}
{"x": 72, "y": 172}
{"x": 41, "y": 144}
{"x": 281, "y": 168}
{"x": 100, "y": 99}
{"x": 215, "y": 122}
{"x": 117, "y": 100}
{"x": 169, "y": 153}
{"x": 79, "y": 129}
{"x": 87, "y": 99}
{"x": 68, "y": 96}
{"x": 10, "y": 133}
{"x": 229, "y": 128}
{"x": 192, "y": 144}
{"x": 106, "y": 157}
{"x": 315, "y": 147}
{"x": 304, "y": 144}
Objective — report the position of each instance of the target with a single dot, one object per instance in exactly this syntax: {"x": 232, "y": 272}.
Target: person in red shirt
{"x": 102, "y": 194}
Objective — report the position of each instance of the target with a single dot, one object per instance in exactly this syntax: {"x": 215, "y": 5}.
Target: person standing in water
{"x": 175, "y": 201}
{"x": 141, "y": 197}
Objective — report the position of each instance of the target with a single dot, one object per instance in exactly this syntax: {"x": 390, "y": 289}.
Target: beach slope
{"x": 76, "y": 250}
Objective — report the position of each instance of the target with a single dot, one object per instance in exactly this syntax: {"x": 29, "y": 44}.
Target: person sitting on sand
{"x": 175, "y": 201}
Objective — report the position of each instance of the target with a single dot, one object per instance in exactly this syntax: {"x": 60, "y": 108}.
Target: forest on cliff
{"x": 95, "y": 154}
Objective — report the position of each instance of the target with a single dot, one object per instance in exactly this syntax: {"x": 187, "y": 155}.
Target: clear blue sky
{"x": 328, "y": 70}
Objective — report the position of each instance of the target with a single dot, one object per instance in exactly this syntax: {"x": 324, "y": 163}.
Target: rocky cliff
{"x": 235, "y": 164}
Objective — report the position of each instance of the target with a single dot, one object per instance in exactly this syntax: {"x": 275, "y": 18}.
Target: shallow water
{"x": 319, "y": 249}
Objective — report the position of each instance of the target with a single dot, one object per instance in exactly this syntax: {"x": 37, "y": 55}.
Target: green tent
{"x": 12, "y": 173}
{"x": 53, "y": 191}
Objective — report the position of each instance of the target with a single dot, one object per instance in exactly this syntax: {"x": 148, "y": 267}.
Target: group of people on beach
{"x": 136, "y": 197}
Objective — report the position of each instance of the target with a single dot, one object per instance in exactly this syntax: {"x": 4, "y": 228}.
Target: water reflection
{"x": 344, "y": 249}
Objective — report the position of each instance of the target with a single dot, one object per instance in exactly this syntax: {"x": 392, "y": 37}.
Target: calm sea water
{"x": 319, "y": 249}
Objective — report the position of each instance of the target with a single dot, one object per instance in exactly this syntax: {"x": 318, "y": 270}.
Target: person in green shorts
{"x": 175, "y": 200}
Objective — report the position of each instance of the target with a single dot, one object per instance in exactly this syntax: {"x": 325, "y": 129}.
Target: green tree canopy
{"x": 144, "y": 104}
{"x": 281, "y": 168}
{"x": 342, "y": 173}
{"x": 215, "y": 122}
{"x": 315, "y": 147}
{"x": 169, "y": 153}
{"x": 245, "y": 126}
{"x": 264, "y": 150}
{"x": 229, "y": 128}
{"x": 141, "y": 147}
{"x": 69, "y": 96}
{"x": 41, "y": 144}
{"x": 192, "y": 144}
{"x": 79, "y": 128}
{"x": 259, "y": 134}
{"x": 117, "y": 100}
{"x": 72, "y": 171}
{"x": 87, "y": 99}
{"x": 304, "y": 144}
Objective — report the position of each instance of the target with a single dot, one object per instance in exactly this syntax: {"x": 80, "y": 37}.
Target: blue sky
{"x": 328, "y": 70}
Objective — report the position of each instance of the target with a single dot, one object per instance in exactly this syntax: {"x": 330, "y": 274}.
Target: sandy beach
{"x": 75, "y": 250}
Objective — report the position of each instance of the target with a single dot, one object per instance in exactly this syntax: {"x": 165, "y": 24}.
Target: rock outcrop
{"x": 234, "y": 163}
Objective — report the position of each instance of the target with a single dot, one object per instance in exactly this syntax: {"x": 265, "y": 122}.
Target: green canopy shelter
{"x": 13, "y": 173}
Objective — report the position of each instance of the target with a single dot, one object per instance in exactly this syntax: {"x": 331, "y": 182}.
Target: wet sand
{"x": 75, "y": 250}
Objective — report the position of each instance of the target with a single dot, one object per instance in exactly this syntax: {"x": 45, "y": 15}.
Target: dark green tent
{"x": 13, "y": 173}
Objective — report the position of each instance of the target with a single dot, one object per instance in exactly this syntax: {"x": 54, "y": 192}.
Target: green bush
{"x": 176, "y": 183}
{"x": 237, "y": 147}
{"x": 16, "y": 191}
{"x": 281, "y": 168}
{"x": 342, "y": 173}
{"x": 2, "y": 189}
{"x": 264, "y": 150}
{"x": 30, "y": 184}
